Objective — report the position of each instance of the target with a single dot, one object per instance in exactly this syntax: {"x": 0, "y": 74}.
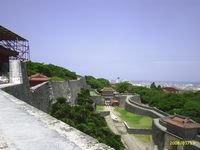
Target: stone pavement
{"x": 23, "y": 127}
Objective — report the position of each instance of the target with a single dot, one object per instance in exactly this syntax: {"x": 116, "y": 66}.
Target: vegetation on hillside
{"x": 97, "y": 83}
{"x": 83, "y": 117}
{"x": 122, "y": 87}
{"x": 52, "y": 71}
{"x": 187, "y": 104}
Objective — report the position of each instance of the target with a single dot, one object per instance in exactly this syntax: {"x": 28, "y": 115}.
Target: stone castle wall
{"x": 158, "y": 134}
{"x": 75, "y": 87}
{"x": 60, "y": 89}
{"x": 98, "y": 100}
{"x": 19, "y": 84}
{"x": 121, "y": 99}
{"x": 145, "y": 131}
{"x": 132, "y": 105}
{"x": 40, "y": 96}
{"x": 163, "y": 137}
{"x": 68, "y": 89}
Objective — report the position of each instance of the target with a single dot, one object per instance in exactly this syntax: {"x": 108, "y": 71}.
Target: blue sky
{"x": 132, "y": 39}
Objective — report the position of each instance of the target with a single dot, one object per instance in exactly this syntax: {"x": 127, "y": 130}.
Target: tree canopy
{"x": 52, "y": 71}
{"x": 83, "y": 117}
{"x": 97, "y": 83}
{"x": 187, "y": 103}
{"x": 122, "y": 87}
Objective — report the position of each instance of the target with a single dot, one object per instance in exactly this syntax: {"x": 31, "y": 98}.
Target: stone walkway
{"x": 3, "y": 142}
{"x": 23, "y": 127}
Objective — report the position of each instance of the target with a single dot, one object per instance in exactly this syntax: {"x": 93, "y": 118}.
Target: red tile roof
{"x": 108, "y": 89}
{"x": 114, "y": 101}
{"x": 181, "y": 121}
{"x": 170, "y": 89}
{"x": 38, "y": 77}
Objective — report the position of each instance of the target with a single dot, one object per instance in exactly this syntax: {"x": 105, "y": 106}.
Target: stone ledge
{"x": 75, "y": 136}
{"x": 137, "y": 130}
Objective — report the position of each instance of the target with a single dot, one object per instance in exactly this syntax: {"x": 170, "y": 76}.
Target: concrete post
{"x": 15, "y": 72}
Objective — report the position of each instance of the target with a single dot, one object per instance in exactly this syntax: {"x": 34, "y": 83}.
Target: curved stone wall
{"x": 135, "y": 107}
{"x": 158, "y": 133}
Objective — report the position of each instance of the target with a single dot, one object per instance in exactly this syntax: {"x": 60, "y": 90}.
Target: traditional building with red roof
{"x": 37, "y": 79}
{"x": 108, "y": 92}
{"x": 181, "y": 126}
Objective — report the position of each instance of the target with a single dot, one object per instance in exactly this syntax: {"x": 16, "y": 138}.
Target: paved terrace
{"x": 24, "y": 127}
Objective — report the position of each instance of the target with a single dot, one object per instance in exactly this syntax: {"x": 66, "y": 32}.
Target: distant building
{"x": 37, "y": 79}
{"x": 170, "y": 90}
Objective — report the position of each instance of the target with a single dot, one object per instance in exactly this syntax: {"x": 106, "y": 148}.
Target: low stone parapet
{"x": 104, "y": 113}
{"x": 141, "y": 109}
{"x": 137, "y": 130}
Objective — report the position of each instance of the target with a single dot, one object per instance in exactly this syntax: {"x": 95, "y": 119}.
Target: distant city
{"x": 185, "y": 86}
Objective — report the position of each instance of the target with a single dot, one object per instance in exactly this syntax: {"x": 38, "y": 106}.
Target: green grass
{"x": 134, "y": 120}
{"x": 99, "y": 108}
{"x": 55, "y": 78}
{"x": 143, "y": 138}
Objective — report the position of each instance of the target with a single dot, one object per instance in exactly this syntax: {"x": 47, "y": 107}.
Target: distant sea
{"x": 188, "y": 86}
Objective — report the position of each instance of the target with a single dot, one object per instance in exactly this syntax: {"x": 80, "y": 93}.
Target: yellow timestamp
{"x": 177, "y": 142}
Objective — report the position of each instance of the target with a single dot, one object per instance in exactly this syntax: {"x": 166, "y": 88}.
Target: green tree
{"x": 122, "y": 87}
{"x": 186, "y": 103}
{"x": 55, "y": 72}
{"x": 97, "y": 83}
{"x": 83, "y": 118}
{"x": 153, "y": 85}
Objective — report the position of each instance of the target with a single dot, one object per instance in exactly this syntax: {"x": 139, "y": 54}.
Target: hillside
{"x": 98, "y": 84}
{"x": 60, "y": 73}
{"x": 187, "y": 103}
{"x": 50, "y": 70}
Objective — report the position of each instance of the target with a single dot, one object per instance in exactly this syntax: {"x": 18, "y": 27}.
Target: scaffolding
{"x": 16, "y": 43}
